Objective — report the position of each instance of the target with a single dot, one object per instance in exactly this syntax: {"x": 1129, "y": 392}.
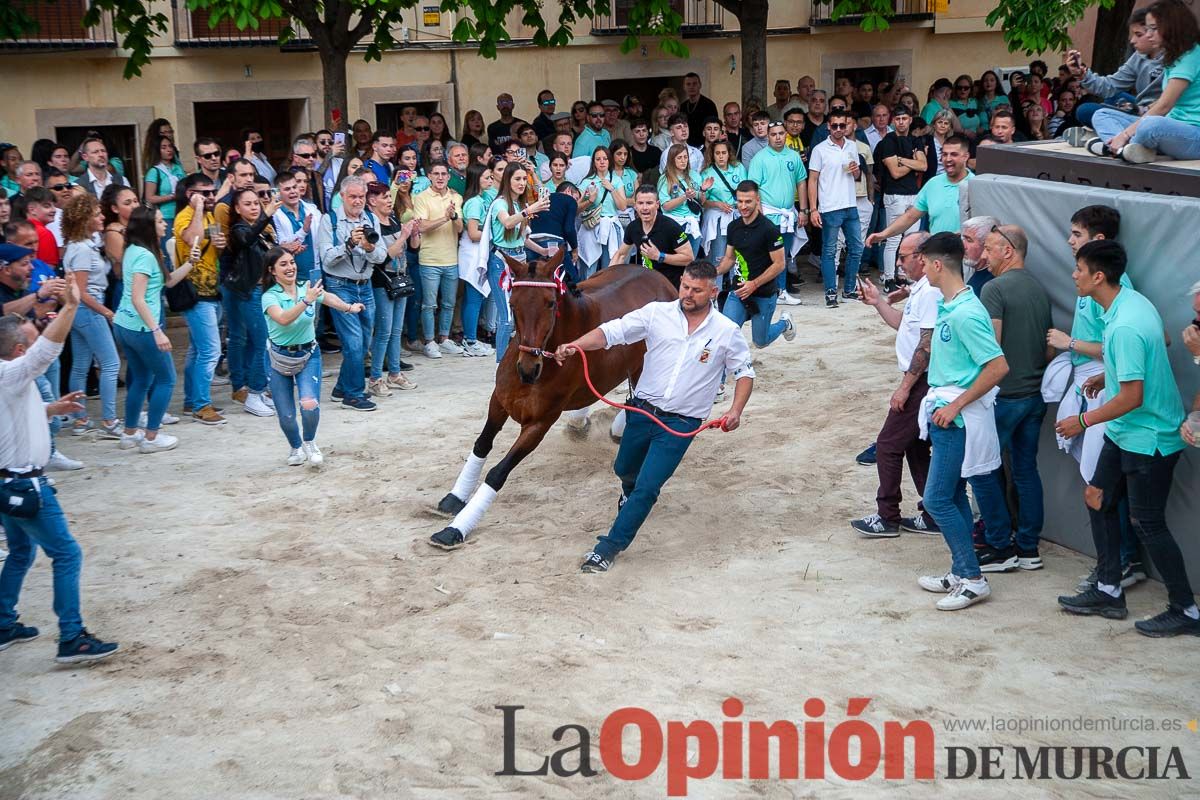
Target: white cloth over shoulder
{"x": 608, "y": 234}
{"x": 1086, "y": 447}
{"x": 787, "y": 224}
{"x": 473, "y": 257}
{"x": 982, "y": 451}
{"x": 715, "y": 223}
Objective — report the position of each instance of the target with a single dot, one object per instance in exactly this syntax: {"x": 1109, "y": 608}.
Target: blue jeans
{"x": 1173, "y": 138}
{"x": 247, "y": 350}
{"x": 91, "y": 339}
{"x": 588, "y": 270}
{"x": 385, "y": 342}
{"x": 204, "y": 351}
{"x": 46, "y": 390}
{"x": 845, "y": 220}
{"x": 1019, "y": 425}
{"x": 496, "y": 267}
{"x": 645, "y": 461}
{"x": 355, "y": 332}
{"x": 946, "y": 498}
{"x": 435, "y": 281}
{"x": 149, "y": 377}
{"x": 284, "y": 388}
{"x": 412, "y": 312}
{"x": 472, "y": 305}
{"x": 49, "y": 531}
{"x": 762, "y": 331}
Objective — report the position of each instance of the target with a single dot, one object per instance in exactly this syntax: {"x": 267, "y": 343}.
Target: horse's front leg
{"x": 468, "y": 477}
{"x": 455, "y": 534}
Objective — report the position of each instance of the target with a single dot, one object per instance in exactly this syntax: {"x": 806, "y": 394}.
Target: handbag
{"x": 591, "y": 218}
{"x": 693, "y": 206}
{"x": 182, "y": 296}
{"x": 286, "y": 365}
{"x": 397, "y": 284}
{"x": 21, "y": 497}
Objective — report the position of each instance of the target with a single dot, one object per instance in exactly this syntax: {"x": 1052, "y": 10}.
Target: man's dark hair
{"x": 1002, "y": 114}
{"x": 595, "y": 104}
{"x": 543, "y": 93}
{"x": 638, "y": 122}
{"x": 959, "y": 140}
{"x": 204, "y": 141}
{"x": 701, "y": 271}
{"x": 245, "y": 133}
{"x": 1104, "y": 255}
{"x": 14, "y": 227}
{"x": 1098, "y": 220}
{"x": 261, "y": 180}
{"x": 646, "y": 188}
{"x": 54, "y": 172}
{"x": 567, "y": 186}
{"x": 38, "y": 194}
{"x": 692, "y": 75}
{"x": 839, "y": 113}
{"x": 861, "y": 84}
{"x": 1038, "y": 64}
{"x": 377, "y": 135}
{"x": 284, "y": 176}
{"x": 525, "y": 127}
{"x": 945, "y": 247}
{"x": 677, "y": 119}
{"x": 899, "y": 110}
{"x": 747, "y": 186}
{"x": 759, "y": 116}
{"x": 792, "y": 112}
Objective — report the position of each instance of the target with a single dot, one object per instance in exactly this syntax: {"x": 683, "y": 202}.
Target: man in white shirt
{"x": 900, "y": 439}
{"x": 97, "y": 176}
{"x": 31, "y": 515}
{"x": 296, "y": 223}
{"x": 881, "y": 119}
{"x": 689, "y": 345}
{"x": 833, "y": 169}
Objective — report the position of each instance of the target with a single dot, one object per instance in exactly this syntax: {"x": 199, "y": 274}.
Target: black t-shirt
{"x": 895, "y": 145}
{"x": 646, "y": 160}
{"x": 753, "y": 244}
{"x": 666, "y": 234}
{"x": 860, "y": 109}
{"x": 500, "y": 132}
{"x": 7, "y": 295}
{"x": 697, "y": 115}
{"x": 806, "y": 134}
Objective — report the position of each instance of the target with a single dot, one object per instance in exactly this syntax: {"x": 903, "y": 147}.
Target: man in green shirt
{"x": 1141, "y": 446}
{"x": 943, "y": 199}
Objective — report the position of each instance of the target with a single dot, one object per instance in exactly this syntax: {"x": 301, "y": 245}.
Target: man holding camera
{"x": 348, "y": 242}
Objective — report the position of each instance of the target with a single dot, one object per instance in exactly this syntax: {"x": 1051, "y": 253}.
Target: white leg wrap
{"x": 578, "y": 418}
{"x": 618, "y": 425}
{"x": 468, "y": 478}
{"x": 469, "y": 517}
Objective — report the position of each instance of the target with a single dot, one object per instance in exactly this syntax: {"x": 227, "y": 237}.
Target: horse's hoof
{"x": 451, "y": 504}
{"x": 447, "y": 539}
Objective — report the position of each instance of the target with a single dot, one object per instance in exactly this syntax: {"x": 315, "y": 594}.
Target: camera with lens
{"x": 370, "y": 234}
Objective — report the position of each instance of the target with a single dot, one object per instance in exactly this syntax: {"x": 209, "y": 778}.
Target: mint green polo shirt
{"x": 302, "y": 329}
{"x": 140, "y": 261}
{"x": 777, "y": 173}
{"x": 1087, "y": 326}
{"x": 939, "y": 199}
{"x": 587, "y": 142}
{"x": 1134, "y": 350}
{"x": 718, "y": 193}
{"x": 1187, "y": 68}
{"x": 963, "y": 341}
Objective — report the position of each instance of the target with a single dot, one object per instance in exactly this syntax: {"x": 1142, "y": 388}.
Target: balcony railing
{"x": 59, "y": 26}
{"x": 699, "y": 16}
{"x": 192, "y": 29}
{"x": 905, "y": 11}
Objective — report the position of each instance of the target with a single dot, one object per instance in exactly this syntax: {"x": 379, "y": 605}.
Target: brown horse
{"x": 536, "y": 394}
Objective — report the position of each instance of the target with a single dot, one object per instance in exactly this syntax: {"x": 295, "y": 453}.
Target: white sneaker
{"x": 450, "y": 347}
{"x": 431, "y": 350}
{"x": 220, "y": 380}
{"x": 3, "y": 554}
{"x": 939, "y": 583}
{"x": 966, "y": 593}
{"x": 61, "y": 462}
{"x": 296, "y": 457}
{"x": 160, "y": 443}
{"x": 167, "y": 419}
{"x": 315, "y": 458}
{"x": 401, "y": 382}
{"x": 130, "y": 442}
{"x": 256, "y": 404}
{"x": 477, "y": 349}
{"x": 789, "y": 328}
{"x": 786, "y": 299}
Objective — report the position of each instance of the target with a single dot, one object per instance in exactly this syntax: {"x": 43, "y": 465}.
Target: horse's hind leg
{"x": 455, "y": 534}
{"x": 468, "y": 477}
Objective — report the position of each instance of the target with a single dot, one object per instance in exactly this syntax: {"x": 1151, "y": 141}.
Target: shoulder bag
{"x": 591, "y": 218}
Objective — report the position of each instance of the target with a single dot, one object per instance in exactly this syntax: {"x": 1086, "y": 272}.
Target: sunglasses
{"x": 549, "y": 102}
{"x": 996, "y": 229}
{"x": 214, "y": 154}
{"x": 264, "y": 194}
{"x": 420, "y": 127}
{"x": 963, "y": 87}
{"x": 837, "y": 126}
{"x": 205, "y": 192}
{"x": 305, "y": 155}
{"x": 597, "y": 116}
{"x": 59, "y": 187}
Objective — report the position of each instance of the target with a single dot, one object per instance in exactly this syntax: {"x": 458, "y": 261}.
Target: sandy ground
{"x": 288, "y": 633}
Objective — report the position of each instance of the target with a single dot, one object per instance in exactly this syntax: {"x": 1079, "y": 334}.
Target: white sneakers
{"x": 450, "y": 347}
{"x": 296, "y": 457}
{"x": 62, "y": 463}
{"x": 959, "y": 593}
{"x": 789, "y": 328}
{"x": 430, "y": 350}
{"x": 315, "y": 457}
{"x": 167, "y": 419}
{"x": 130, "y": 442}
{"x": 786, "y": 299}
{"x": 400, "y": 381}
{"x": 160, "y": 443}
{"x": 259, "y": 405}
{"x": 477, "y": 348}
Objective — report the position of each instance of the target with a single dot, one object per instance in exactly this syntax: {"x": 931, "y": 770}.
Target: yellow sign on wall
{"x": 432, "y": 16}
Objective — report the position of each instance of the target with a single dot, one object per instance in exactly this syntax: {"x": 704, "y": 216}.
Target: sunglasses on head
{"x": 996, "y": 229}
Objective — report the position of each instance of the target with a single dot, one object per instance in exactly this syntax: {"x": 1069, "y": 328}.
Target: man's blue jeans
{"x": 946, "y": 498}
{"x": 307, "y": 384}
{"x": 247, "y": 339}
{"x": 149, "y": 378}
{"x": 412, "y": 311}
{"x": 385, "y": 342}
{"x": 1019, "y": 425}
{"x": 762, "y": 331}
{"x": 846, "y": 220}
{"x": 92, "y": 339}
{"x": 645, "y": 461}
{"x": 437, "y": 281}
{"x": 49, "y": 531}
{"x": 472, "y": 305}
{"x": 354, "y": 331}
{"x": 203, "y": 354}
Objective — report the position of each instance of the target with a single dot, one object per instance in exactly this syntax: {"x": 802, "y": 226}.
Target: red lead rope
{"x": 712, "y": 423}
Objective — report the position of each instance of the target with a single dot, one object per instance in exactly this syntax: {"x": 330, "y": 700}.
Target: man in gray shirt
{"x": 1020, "y": 312}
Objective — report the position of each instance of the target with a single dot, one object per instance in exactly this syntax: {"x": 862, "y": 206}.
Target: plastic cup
{"x": 1193, "y": 422}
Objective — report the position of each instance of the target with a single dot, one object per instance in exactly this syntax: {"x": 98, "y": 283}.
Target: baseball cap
{"x": 12, "y": 252}
{"x": 610, "y": 104}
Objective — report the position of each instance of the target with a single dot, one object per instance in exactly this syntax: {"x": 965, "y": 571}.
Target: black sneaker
{"x": 359, "y": 404}
{"x": 1029, "y": 560}
{"x": 405, "y": 366}
{"x": 889, "y": 286}
{"x": 448, "y": 539}
{"x": 921, "y": 523}
{"x": 993, "y": 560}
{"x": 83, "y": 648}
{"x": 874, "y": 526}
{"x": 16, "y": 634}
{"x": 866, "y": 457}
{"x": 1132, "y": 573}
{"x": 850, "y": 295}
{"x": 594, "y": 562}
{"x": 337, "y": 394}
{"x": 621, "y": 501}
{"x": 1171, "y": 622}
{"x": 329, "y": 347}
{"x": 831, "y": 298}
{"x": 1095, "y": 602}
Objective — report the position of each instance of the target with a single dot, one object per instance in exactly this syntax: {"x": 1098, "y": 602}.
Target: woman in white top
{"x": 602, "y": 199}
{"x": 91, "y": 338}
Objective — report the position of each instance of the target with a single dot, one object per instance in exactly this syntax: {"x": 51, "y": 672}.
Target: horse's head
{"x": 536, "y": 293}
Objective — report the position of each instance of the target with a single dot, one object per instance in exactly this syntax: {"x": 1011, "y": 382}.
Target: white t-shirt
{"x": 920, "y": 311}
{"x": 835, "y": 186}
